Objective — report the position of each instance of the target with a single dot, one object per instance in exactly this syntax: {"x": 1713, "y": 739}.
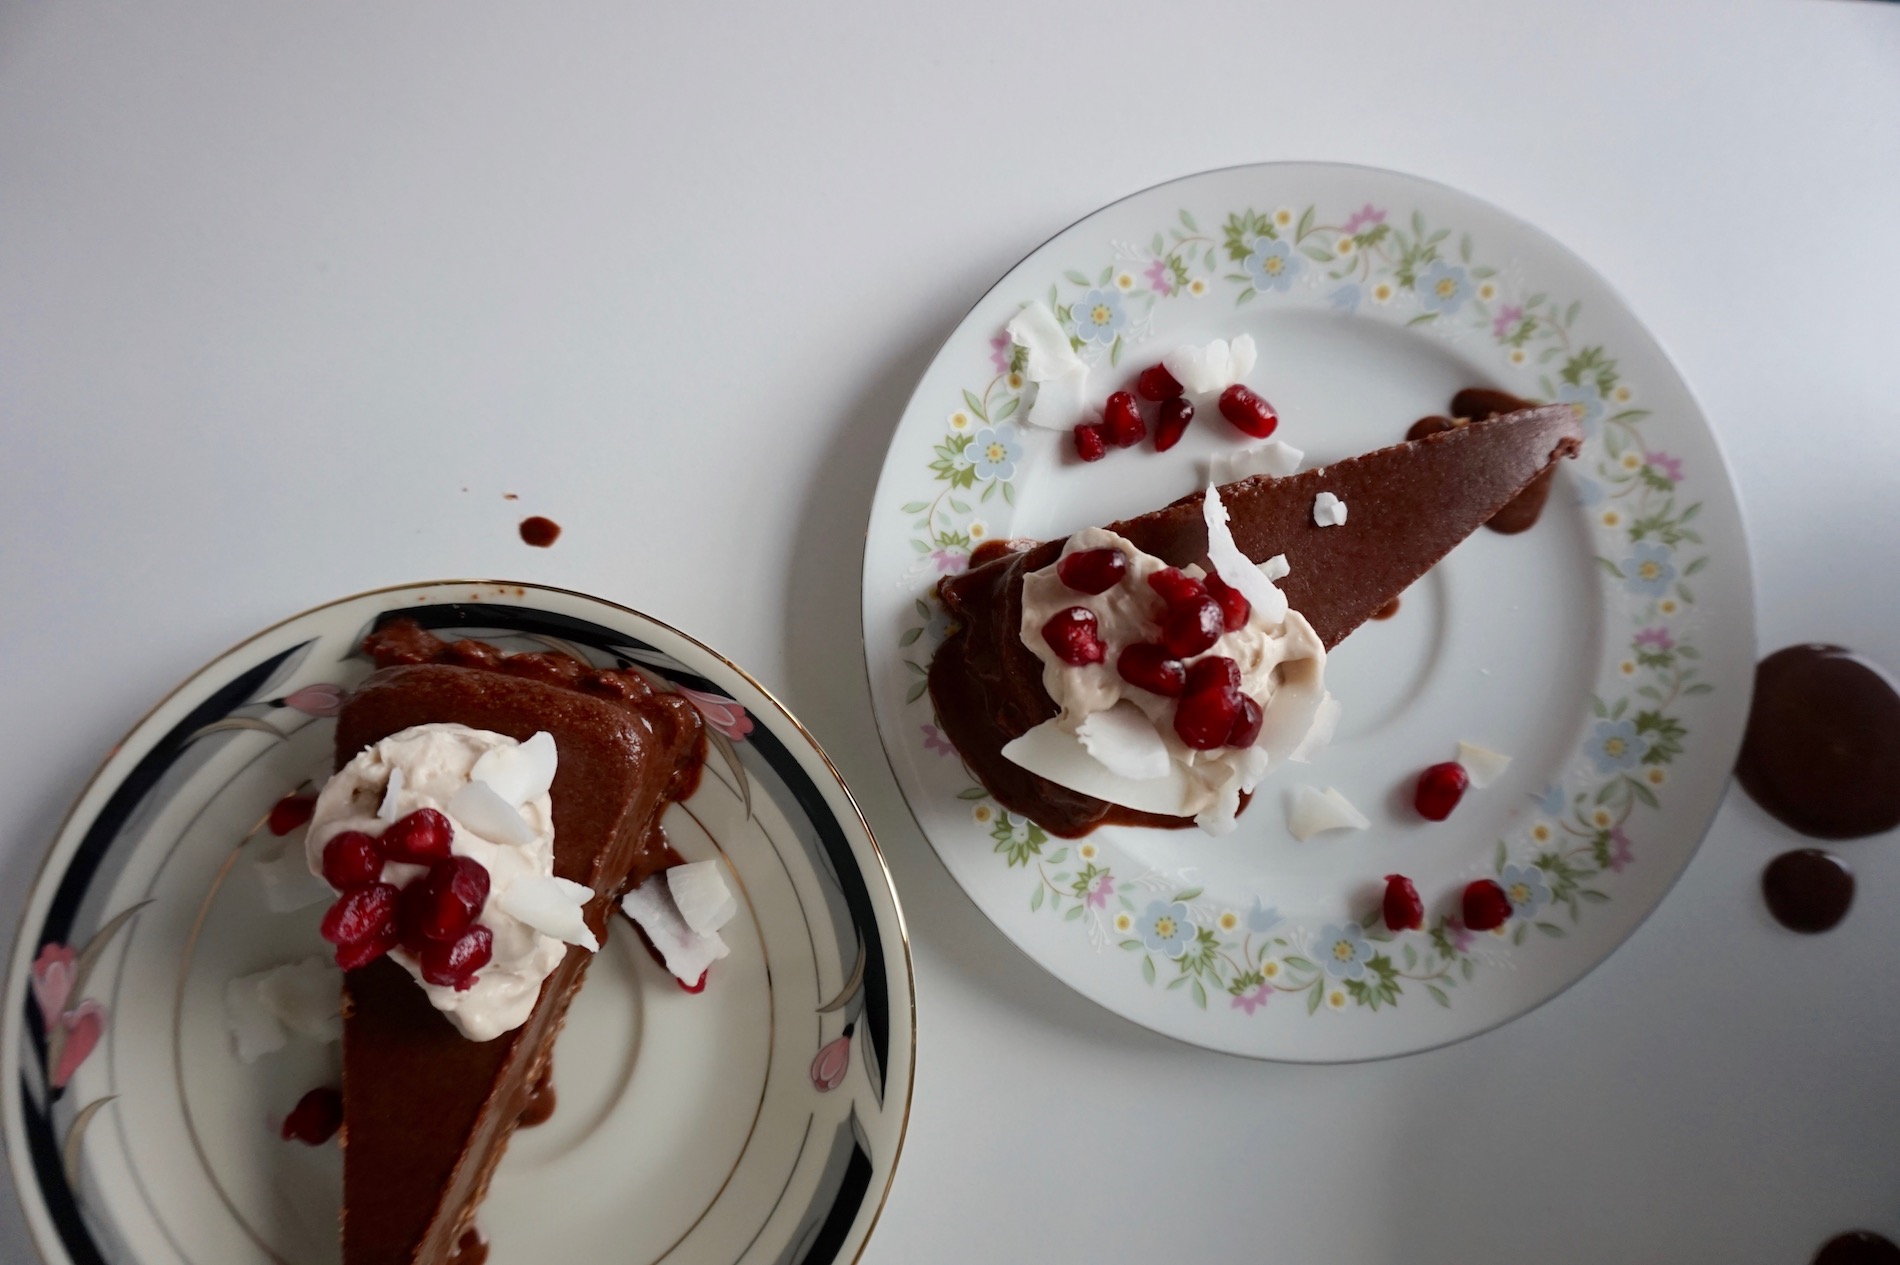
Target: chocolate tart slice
{"x": 1408, "y": 505}
{"x": 426, "y": 1111}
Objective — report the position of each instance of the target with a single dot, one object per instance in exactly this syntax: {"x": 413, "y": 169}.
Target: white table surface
{"x": 291, "y": 295}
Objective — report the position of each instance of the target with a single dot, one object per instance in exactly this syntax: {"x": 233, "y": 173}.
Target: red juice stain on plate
{"x": 1858, "y": 1247}
{"x": 1808, "y": 890}
{"x": 1822, "y": 748}
{"x": 540, "y": 532}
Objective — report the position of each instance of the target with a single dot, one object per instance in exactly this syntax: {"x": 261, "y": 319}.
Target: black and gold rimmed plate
{"x": 758, "y": 1121}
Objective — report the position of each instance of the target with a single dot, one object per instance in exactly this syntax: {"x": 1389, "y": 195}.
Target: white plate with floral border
{"x": 758, "y": 1121}
{"x": 1609, "y": 650}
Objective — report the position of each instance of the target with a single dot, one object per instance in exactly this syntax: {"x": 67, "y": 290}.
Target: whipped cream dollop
{"x": 449, "y": 768}
{"x": 1281, "y": 661}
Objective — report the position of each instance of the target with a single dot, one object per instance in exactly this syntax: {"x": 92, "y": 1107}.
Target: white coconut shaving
{"x": 489, "y": 815}
{"x": 1052, "y": 752}
{"x": 263, "y": 1010}
{"x": 1061, "y": 376}
{"x": 1276, "y": 568}
{"x": 1272, "y": 458}
{"x": 1328, "y": 510}
{"x": 552, "y": 906}
{"x": 1325, "y": 724}
{"x": 1235, "y": 568}
{"x": 1125, "y": 741}
{"x": 392, "y": 794}
{"x": 700, "y": 893}
{"x": 1482, "y": 765}
{"x": 1316, "y": 811}
{"x": 686, "y": 952}
{"x": 518, "y": 774}
{"x": 1212, "y": 367}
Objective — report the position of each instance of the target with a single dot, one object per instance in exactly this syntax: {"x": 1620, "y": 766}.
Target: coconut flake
{"x": 1049, "y": 751}
{"x": 288, "y": 883}
{"x": 387, "y": 810}
{"x": 1315, "y": 811}
{"x": 1272, "y": 458}
{"x": 552, "y": 906}
{"x": 254, "y": 1031}
{"x": 700, "y": 893}
{"x": 1324, "y": 725}
{"x": 1222, "y": 816}
{"x": 306, "y": 997}
{"x": 1328, "y": 510}
{"x": 1484, "y": 765}
{"x": 1235, "y": 568}
{"x": 519, "y": 773}
{"x": 1061, "y": 375}
{"x": 1125, "y": 742}
{"x": 1213, "y": 367}
{"x": 479, "y": 808}
{"x": 1276, "y": 567}
{"x": 686, "y": 952}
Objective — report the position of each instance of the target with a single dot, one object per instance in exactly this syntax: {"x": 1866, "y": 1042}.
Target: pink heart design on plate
{"x": 84, "y": 1024}
{"x": 52, "y": 981}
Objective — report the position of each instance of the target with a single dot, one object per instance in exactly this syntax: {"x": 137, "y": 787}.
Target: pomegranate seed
{"x": 447, "y": 899}
{"x": 1091, "y": 442}
{"x": 1439, "y": 790}
{"x": 351, "y": 956}
{"x": 1156, "y": 383}
{"x": 315, "y": 1119}
{"x": 1176, "y": 588}
{"x": 1234, "y": 606}
{"x": 1212, "y": 672}
{"x": 697, "y": 986}
{"x": 453, "y": 965}
{"x": 1172, "y": 422}
{"x": 1205, "y": 719}
{"x": 1486, "y": 906}
{"x": 1071, "y": 634}
{"x": 1248, "y": 411}
{"x": 1093, "y": 571}
{"x": 1404, "y": 911}
{"x": 291, "y": 812}
{"x": 352, "y": 859}
{"x": 1152, "y": 668}
{"x": 360, "y": 913}
{"x": 421, "y": 838}
{"x": 1123, "y": 421}
{"x": 1246, "y": 730}
{"x": 1191, "y": 628}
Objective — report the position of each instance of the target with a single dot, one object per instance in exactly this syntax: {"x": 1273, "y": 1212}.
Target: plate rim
{"x": 1746, "y": 597}
{"x": 38, "y": 1224}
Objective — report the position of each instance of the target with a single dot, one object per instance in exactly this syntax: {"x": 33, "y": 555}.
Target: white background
{"x": 291, "y": 295}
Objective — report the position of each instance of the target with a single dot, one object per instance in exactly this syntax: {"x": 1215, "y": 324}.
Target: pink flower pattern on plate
{"x": 1253, "y": 998}
{"x": 317, "y": 700}
{"x": 724, "y": 715}
{"x": 935, "y": 741}
{"x": 1157, "y": 275}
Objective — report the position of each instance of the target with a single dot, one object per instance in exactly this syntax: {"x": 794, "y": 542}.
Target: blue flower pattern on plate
{"x": 1649, "y": 570}
{"x": 1343, "y": 950}
{"x": 1443, "y": 288}
{"x": 1524, "y": 886}
{"x": 1273, "y": 265}
{"x": 1165, "y": 928}
{"x": 995, "y": 453}
{"x": 1098, "y": 316}
{"x": 1616, "y": 746}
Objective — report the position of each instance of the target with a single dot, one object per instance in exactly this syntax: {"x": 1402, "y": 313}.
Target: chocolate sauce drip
{"x": 470, "y": 1249}
{"x": 1387, "y": 611}
{"x": 540, "y": 532}
{"x": 1822, "y": 749}
{"x": 1858, "y": 1247}
{"x": 539, "y": 1107}
{"x": 1808, "y": 890}
{"x": 1521, "y": 514}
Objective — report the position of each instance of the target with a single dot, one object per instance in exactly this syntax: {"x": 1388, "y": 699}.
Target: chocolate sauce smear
{"x": 1822, "y": 748}
{"x": 1858, "y": 1247}
{"x": 1808, "y": 890}
{"x": 1387, "y": 611}
{"x": 470, "y": 1249}
{"x": 540, "y": 532}
{"x": 1523, "y": 510}
{"x": 539, "y": 1108}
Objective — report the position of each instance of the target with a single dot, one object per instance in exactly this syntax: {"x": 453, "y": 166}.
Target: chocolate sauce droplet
{"x": 1822, "y": 749}
{"x": 470, "y": 1249}
{"x": 1858, "y": 1247}
{"x": 1387, "y": 611}
{"x": 540, "y": 532}
{"x": 539, "y": 1108}
{"x": 1808, "y": 890}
